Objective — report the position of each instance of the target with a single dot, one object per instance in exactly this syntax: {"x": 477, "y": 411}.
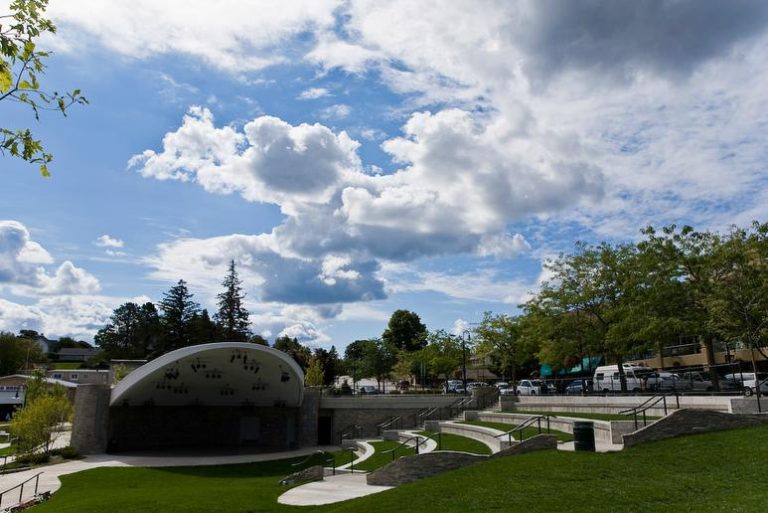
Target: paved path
{"x": 49, "y": 479}
{"x": 332, "y": 489}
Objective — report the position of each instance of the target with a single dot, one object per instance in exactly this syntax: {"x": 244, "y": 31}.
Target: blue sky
{"x": 355, "y": 158}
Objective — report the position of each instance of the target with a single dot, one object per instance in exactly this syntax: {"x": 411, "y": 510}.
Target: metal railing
{"x": 426, "y": 414}
{"x": 530, "y": 421}
{"x": 402, "y": 444}
{"x": 329, "y": 462}
{"x": 650, "y": 403}
{"x": 458, "y": 407}
{"x": 351, "y": 432}
{"x": 20, "y": 486}
{"x": 391, "y": 423}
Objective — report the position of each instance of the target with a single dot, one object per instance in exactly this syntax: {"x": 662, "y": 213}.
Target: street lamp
{"x": 468, "y": 336}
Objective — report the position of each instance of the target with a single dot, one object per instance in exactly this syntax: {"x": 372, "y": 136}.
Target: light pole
{"x": 468, "y": 335}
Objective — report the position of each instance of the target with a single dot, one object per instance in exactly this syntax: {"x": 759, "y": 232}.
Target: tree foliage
{"x": 46, "y": 408}
{"x": 314, "y": 376}
{"x": 17, "y": 352}
{"x": 22, "y": 64}
{"x": 405, "y": 331}
{"x": 178, "y": 309}
{"x": 133, "y": 331}
{"x": 300, "y": 353}
{"x": 232, "y": 317}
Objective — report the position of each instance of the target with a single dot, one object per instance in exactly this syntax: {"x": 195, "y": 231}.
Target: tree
{"x": 232, "y": 317}
{"x": 202, "y": 329}
{"x": 369, "y": 358}
{"x": 595, "y": 290}
{"x": 330, "y": 362}
{"x": 177, "y": 310}
{"x": 21, "y": 65}
{"x": 133, "y": 331}
{"x": 258, "y": 339}
{"x": 405, "y": 331}
{"x": 500, "y": 337}
{"x": 314, "y": 376}
{"x": 738, "y": 305}
{"x": 292, "y": 347}
{"x": 46, "y": 408}
{"x": 17, "y": 353}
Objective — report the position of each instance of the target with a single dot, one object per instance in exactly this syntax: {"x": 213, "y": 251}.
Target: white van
{"x": 606, "y": 378}
{"x": 749, "y": 381}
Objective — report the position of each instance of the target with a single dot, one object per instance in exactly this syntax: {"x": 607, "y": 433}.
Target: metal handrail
{"x": 351, "y": 431}
{"x": 387, "y": 423}
{"x": 427, "y": 413}
{"x": 650, "y": 403}
{"x": 439, "y": 440}
{"x": 404, "y": 443}
{"x": 36, "y": 477}
{"x": 526, "y": 423}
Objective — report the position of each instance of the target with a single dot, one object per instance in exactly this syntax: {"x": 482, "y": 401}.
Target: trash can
{"x": 584, "y": 436}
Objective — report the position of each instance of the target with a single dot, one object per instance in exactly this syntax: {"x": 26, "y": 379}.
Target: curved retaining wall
{"x": 687, "y": 422}
{"x": 605, "y": 431}
{"x": 479, "y": 433}
{"x": 611, "y": 403}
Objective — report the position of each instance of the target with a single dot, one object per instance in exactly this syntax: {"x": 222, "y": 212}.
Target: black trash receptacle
{"x": 584, "y": 436}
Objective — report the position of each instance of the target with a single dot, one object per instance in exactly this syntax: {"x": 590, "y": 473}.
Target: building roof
{"x": 217, "y": 374}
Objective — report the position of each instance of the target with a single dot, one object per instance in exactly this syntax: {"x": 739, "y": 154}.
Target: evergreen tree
{"x": 297, "y": 351}
{"x": 202, "y": 329}
{"x": 232, "y": 317}
{"x": 134, "y": 331}
{"x": 178, "y": 310}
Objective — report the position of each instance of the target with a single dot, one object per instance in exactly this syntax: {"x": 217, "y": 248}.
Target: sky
{"x": 358, "y": 157}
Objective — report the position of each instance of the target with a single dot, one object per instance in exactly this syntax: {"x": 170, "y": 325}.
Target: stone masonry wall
{"x": 91, "y": 419}
{"x": 686, "y": 422}
{"x": 535, "y": 443}
{"x": 412, "y": 468}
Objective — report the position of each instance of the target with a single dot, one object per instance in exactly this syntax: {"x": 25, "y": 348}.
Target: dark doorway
{"x": 249, "y": 431}
{"x": 325, "y": 430}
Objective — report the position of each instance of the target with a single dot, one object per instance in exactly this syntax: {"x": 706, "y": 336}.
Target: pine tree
{"x": 178, "y": 310}
{"x": 232, "y": 317}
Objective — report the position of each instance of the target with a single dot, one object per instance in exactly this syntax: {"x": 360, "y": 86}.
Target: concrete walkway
{"x": 332, "y": 489}
{"x": 49, "y": 479}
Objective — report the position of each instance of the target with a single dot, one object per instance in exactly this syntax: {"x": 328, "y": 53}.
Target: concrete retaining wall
{"x": 535, "y": 443}
{"x": 605, "y": 431}
{"x": 686, "y": 422}
{"x": 479, "y": 433}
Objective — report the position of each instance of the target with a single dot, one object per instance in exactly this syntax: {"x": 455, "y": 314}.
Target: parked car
{"x": 531, "y": 387}
{"x": 476, "y": 384}
{"x": 454, "y": 386}
{"x": 697, "y": 381}
{"x": 664, "y": 381}
{"x": 749, "y": 381}
{"x": 368, "y": 390}
{"x": 508, "y": 390}
{"x": 575, "y": 387}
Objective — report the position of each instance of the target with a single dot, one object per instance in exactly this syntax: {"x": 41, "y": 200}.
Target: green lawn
{"x": 708, "y": 473}
{"x": 66, "y": 365}
{"x": 527, "y": 432}
{"x": 579, "y": 415}
{"x": 451, "y": 442}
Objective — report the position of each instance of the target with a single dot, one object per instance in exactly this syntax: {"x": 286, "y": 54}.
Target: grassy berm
{"x": 717, "y": 472}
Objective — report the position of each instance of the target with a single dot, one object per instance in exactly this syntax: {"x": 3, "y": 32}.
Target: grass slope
{"x": 713, "y": 472}
{"x": 451, "y": 442}
{"x": 380, "y": 458}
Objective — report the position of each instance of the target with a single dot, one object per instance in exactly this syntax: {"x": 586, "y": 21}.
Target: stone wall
{"x": 313, "y": 473}
{"x": 535, "y": 443}
{"x": 309, "y": 413}
{"x": 412, "y": 468}
{"x": 687, "y": 422}
{"x": 91, "y": 419}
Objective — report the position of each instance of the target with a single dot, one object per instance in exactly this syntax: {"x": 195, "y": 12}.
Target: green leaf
{"x": 6, "y": 79}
